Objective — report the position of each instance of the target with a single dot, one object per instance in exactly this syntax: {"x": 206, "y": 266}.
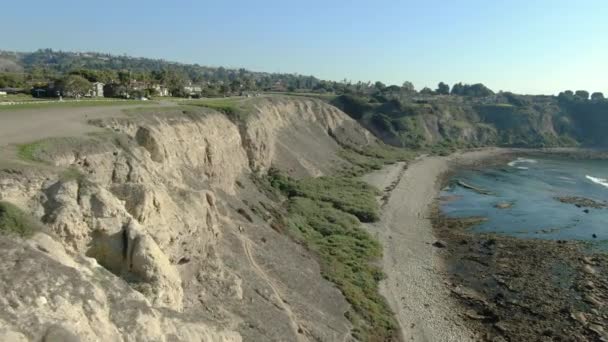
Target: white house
{"x": 161, "y": 90}
{"x": 97, "y": 89}
{"x": 193, "y": 89}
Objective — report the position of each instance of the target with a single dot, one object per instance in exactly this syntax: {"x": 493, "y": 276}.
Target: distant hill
{"x": 445, "y": 122}
{"x": 53, "y": 63}
{"x": 463, "y": 115}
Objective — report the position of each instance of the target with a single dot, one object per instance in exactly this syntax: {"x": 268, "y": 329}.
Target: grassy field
{"x": 151, "y": 109}
{"x": 324, "y": 97}
{"x": 325, "y": 214}
{"x": 231, "y": 106}
{"x": 73, "y": 104}
{"x": 29, "y": 151}
{"x": 34, "y": 150}
{"x": 43, "y": 150}
{"x": 18, "y": 98}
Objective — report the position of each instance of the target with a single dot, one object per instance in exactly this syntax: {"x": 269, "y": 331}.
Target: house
{"x": 193, "y": 89}
{"x": 161, "y": 90}
{"x": 97, "y": 90}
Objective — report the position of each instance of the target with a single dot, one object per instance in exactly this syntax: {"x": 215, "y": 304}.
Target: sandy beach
{"x": 415, "y": 287}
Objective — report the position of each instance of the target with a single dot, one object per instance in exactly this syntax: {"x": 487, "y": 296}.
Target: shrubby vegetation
{"x": 475, "y": 116}
{"x": 476, "y": 90}
{"x": 368, "y": 159}
{"x": 14, "y": 221}
{"x": 588, "y": 116}
{"x": 325, "y": 214}
{"x": 226, "y": 106}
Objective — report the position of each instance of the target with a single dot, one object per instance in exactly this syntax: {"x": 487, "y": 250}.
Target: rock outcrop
{"x": 143, "y": 243}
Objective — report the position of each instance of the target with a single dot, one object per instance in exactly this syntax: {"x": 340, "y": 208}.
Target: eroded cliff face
{"x": 300, "y": 135}
{"x": 148, "y": 240}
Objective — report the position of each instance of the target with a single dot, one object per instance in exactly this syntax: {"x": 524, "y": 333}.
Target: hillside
{"x": 190, "y": 223}
{"x": 22, "y": 69}
{"x": 505, "y": 119}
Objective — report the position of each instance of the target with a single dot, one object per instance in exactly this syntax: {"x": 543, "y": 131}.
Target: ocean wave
{"x": 523, "y": 167}
{"x": 597, "y": 180}
{"x": 522, "y": 161}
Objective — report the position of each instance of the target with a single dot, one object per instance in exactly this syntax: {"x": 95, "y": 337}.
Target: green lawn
{"x": 18, "y": 98}
{"x": 325, "y": 96}
{"x": 151, "y": 109}
{"x": 73, "y": 104}
{"x": 231, "y": 106}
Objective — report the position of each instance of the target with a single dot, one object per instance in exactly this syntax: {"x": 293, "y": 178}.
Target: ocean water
{"x": 532, "y": 185}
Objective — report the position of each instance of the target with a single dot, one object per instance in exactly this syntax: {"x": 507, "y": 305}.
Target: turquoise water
{"x": 531, "y": 185}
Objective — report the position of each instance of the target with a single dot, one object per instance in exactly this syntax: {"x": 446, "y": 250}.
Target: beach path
{"x": 414, "y": 286}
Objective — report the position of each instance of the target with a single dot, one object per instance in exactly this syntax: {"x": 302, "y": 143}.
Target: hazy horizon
{"x": 540, "y": 48}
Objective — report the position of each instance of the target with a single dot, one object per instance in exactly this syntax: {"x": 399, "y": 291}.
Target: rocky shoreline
{"x": 515, "y": 289}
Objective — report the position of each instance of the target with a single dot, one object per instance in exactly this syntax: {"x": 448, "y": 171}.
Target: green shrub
{"x": 14, "y": 221}
{"x": 349, "y": 195}
{"x": 361, "y": 164}
{"x": 230, "y": 107}
{"x": 324, "y": 213}
{"x": 354, "y": 106}
{"x": 370, "y": 158}
{"x": 30, "y": 151}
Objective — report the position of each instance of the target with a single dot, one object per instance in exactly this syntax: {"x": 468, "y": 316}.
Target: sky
{"x": 533, "y": 47}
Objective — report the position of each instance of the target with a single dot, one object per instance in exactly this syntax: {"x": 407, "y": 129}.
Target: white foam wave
{"x": 522, "y": 161}
{"x": 523, "y": 167}
{"x": 597, "y": 180}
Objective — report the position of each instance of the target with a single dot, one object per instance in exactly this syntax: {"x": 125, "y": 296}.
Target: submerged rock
{"x": 503, "y": 205}
{"x": 582, "y": 202}
{"x": 474, "y": 188}
{"x": 440, "y": 244}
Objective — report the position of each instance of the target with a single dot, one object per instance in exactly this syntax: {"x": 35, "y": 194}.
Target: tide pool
{"x": 532, "y": 185}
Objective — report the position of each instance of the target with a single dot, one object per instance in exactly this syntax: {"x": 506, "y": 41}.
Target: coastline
{"x": 433, "y": 300}
{"x": 514, "y": 289}
{"x": 415, "y": 286}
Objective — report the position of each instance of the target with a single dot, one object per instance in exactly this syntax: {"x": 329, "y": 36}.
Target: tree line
{"x": 143, "y": 76}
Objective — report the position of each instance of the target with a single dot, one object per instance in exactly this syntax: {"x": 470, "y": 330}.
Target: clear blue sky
{"x": 524, "y": 46}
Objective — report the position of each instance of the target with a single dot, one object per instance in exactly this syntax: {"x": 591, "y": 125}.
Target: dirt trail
{"x": 295, "y": 327}
{"x": 415, "y": 286}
